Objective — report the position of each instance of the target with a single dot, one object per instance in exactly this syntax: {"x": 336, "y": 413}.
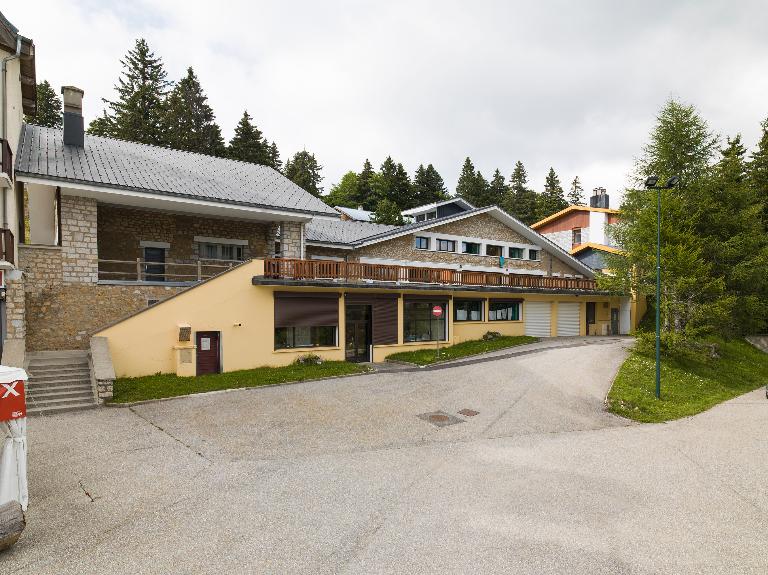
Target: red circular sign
{"x": 437, "y": 311}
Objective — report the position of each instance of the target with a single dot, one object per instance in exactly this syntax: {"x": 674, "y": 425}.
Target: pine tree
{"x": 393, "y": 184}
{"x": 576, "y": 194}
{"x": 137, "y": 113}
{"x": 344, "y": 193}
{"x": 387, "y": 212}
{"x": 428, "y": 186}
{"x": 758, "y": 172}
{"x": 472, "y": 186}
{"x": 48, "y": 111}
{"x": 304, "y": 171}
{"x": 521, "y": 202}
{"x": 189, "y": 123}
{"x": 274, "y": 160}
{"x": 552, "y": 200}
{"x": 364, "y": 196}
{"x": 497, "y": 190}
{"x": 248, "y": 145}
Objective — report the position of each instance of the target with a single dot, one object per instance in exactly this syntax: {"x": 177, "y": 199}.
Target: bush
{"x": 491, "y": 335}
{"x": 309, "y": 359}
{"x": 677, "y": 346}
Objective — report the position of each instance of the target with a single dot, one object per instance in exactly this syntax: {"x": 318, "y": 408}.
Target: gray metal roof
{"x": 139, "y": 167}
{"x": 345, "y": 232}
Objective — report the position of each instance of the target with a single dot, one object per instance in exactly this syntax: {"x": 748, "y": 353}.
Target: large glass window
{"x": 470, "y": 248}
{"x": 446, "y": 246}
{"x": 495, "y": 251}
{"x": 422, "y": 243}
{"x": 230, "y": 252}
{"x": 516, "y": 253}
{"x": 468, "y": 310}
{"x": 305, "y": 336}
{"x": 503, "y": 311}
{"x": 420, "y": 325}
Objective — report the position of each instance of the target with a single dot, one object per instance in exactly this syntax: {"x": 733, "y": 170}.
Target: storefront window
{"x": 305, "y": 336}
{"x": 468, "y": 310}
{"x": 421, "y": 325}
{"x": 503, "y": 311}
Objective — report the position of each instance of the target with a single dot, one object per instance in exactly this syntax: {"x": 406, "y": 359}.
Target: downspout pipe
{"x": 5, "y": 115}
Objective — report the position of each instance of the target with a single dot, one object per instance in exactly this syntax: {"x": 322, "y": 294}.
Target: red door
{"x": 208, "y": 352}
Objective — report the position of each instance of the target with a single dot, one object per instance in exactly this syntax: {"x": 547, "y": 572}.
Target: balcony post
{"x": 138, "y": 269}
{"x": 199, "y": 270}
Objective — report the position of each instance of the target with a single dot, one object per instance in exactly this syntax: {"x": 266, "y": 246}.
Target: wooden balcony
{"x": 6, "y": 159}
{"x": 355, "y": 271}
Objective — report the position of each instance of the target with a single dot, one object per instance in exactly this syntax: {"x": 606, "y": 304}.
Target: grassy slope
{"x": 464, "y": 349}
{"x": 170, "y": 385}
{"x": 687, "y": 387}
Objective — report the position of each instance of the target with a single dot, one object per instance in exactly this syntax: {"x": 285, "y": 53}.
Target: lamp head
{"x": 672, "y": 182}
{"x": 651, "y": 181}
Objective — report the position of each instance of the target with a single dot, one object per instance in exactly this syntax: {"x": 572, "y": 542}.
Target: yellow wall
{"x": 147, "y": 342}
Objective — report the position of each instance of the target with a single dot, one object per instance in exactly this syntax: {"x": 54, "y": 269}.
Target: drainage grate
{"x": 440, "y": 418}
{"x": 468, "y": 412}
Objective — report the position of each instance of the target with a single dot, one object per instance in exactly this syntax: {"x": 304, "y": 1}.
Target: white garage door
{"x": 538, "y": 317}
{"x": 568, "y": 319}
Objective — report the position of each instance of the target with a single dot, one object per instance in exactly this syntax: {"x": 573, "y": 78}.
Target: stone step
{"x": 55, "y": 361}
{"x": 57, "y": 354}
{"x": 44, "y": 370}
{"x": 38, "y": 404}
{"x": 53, "y": 410}
{"x": 43, "y": 397}
{"x": 58, "y": 388}
{"x": 52, "y": 379}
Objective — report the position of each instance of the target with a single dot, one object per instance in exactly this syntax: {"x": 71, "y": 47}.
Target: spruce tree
{"x": 497, "y": 190}
{"x": 521, "y": 202}
{"x": 189, "y": 123}
{"x": 758, "y": 172}
{"x": 48, "y": 112}
{"x": 393, "y": 184}
{"x": 387, "y": 212}
{"x": 136, "y": 115}
{"x": 304, "y": 171}
{"x": 576, "y": 193}
{"x": 273, "y": 157}
{"x": 428, "y": 186}
{"x": 552, "y": 200}
{"x": 364, "y": 195}
{"x": 247, "y": 145}
{"x": 472, "y": 186}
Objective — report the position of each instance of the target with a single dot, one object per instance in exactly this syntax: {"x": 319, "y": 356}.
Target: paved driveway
{"x": 342, "y": 476}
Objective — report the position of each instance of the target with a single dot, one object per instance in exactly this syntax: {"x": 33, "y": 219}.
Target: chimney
{"x": 74, "y": 134}
{"x": 599, "y": 199}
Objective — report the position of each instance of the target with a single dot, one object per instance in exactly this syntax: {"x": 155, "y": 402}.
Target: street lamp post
{"x": 650, "y": 184}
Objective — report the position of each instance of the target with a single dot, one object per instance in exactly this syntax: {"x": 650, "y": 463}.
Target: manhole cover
{"x": 440, "y": 418}
{"x": 468, "y": 412}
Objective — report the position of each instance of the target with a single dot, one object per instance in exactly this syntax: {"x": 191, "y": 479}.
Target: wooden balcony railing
{"x": 356, "y": 271}
{"x": 6, "y": 158}
{"x": 6, "y": 246}
{"x": 140, "y": 270}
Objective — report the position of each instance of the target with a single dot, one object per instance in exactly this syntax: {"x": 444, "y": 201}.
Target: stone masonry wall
{"x": 79, "y": 251}
{"x": 481, "y": 226}
{"x": 292, "y": 239}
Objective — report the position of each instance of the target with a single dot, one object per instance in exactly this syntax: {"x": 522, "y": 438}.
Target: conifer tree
{"x": 393, "y": 184}
{"x": 48, "y": 112}
{"x": 428, "y": 186}
{"x": 497, "y": 190}
{"x": 136, "y": 115}
{"x": 472, "y": 186}
{"x": 758, "y": 172}
{"x": 552, "y": 200}
{"x": 274, "y": 160}
{"x": 576, "y": 193}
{"x": 247, "y": 145}
{"x": 521, "y": 202}
{"x": 304, "y": 171}
{"x": 387, "y": 212}
{"x": 364, "y": 196}
{"x": 189, "y": 123}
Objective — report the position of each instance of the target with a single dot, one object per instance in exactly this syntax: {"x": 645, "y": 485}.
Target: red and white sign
{"x": 437, "y": 311}
{"x": 13, "y": 404}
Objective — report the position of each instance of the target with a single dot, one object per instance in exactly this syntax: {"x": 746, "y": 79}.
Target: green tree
{"x": 345, "y": 192}
{"x": 521, "y": 201}
{"x": 364, "y": 196}
{"x": 387, "y": 212}
{"x": 304, "y": 171}
{"x": 758, "y": 171}
{"x": 136, "y": 115}
{"x": 576, "y": 193}
{"x": 552, "y": 200}
{"x": 497, "y": 190}
{"x": 247, "y": 144}
{"x": 393, "y": 184}
{"x": 189, "y": 123}
{"x": 48, "y": 112}
{"x": 273, "y": 157}
{"x": 472, "y": 186}
{"x": 428, "y": 186}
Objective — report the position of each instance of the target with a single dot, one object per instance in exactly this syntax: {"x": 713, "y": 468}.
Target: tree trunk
{"x": 12, "y": 523}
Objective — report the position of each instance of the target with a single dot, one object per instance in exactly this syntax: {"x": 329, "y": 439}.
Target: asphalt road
{"x": 343, "y": 477}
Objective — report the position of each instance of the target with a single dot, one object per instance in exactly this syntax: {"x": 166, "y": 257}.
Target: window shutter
{"x": 297, "y": 309}
{"x": 385, "y": 323}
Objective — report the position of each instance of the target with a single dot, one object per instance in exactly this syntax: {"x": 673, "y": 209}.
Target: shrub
{"x": 491, "y": 335}
{"x": 309, "y": 359}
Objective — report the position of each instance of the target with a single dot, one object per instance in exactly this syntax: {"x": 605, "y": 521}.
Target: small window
{"x": 420, "y": 218}
{"x": 229, "y": 252}
{"x": 305, "y": 336}
{"x": 468, "y": 310}
{"x": 422, "y": 243}
{"x": 470, "y": 248}
{"x": 576, "y": 236}
{"x": 151, "y": 302}
{"x": 495, "y": 251}
{"x": 533, "y": 255}
{"x": 446, "y": 246}
{"x": 516, "y": 253}
{"x": 431, "y": 215}
{"x": 504, "y": 311}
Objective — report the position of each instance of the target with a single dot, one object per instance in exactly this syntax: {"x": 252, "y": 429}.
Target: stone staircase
{"x": 59, "y": 381}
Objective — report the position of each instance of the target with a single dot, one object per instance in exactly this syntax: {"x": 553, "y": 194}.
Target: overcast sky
{"x": 572, "y": 84}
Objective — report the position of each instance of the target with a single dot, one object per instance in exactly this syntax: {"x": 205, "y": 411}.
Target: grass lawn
{"x": 473, "y": 347}
{"x": 130, "y": 389}
{"x": 687, "y": 387}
